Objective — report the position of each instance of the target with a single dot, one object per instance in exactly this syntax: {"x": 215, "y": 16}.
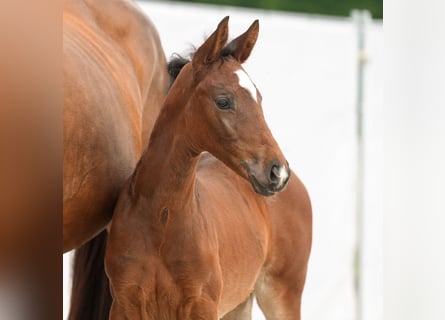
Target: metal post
{"x": 360, "y": 17}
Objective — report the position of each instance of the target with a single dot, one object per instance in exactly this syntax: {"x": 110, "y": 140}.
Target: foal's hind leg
{"x": 279, "y": 296}
{"x": 280, "y": 286}
{"x": 242, "y": 312}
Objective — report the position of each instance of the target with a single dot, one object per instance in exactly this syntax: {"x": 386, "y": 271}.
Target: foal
{"x": 190, "y": 239}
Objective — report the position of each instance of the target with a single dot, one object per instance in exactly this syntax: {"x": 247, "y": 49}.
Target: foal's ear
{"x": 210, "y": 50}
{"x": 241, "y": 47}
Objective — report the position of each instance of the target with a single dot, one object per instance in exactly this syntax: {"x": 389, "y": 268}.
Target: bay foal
{"x": 193, "y": 235}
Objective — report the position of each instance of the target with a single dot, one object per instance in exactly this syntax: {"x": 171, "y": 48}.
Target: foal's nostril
{"x": 275, "y": 174}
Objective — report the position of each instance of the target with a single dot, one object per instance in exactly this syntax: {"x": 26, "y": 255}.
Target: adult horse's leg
{"x": 90, "y": 294}
{"x": 242, "y": 312}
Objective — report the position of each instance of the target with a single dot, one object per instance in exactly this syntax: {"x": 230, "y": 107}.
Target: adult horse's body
{"x": 115, "y": 81}
{"x": 190, "y": 239}
{"x": 114, "y": 84}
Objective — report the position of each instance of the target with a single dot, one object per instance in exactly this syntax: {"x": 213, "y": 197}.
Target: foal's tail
{"x": 90, "y": 293}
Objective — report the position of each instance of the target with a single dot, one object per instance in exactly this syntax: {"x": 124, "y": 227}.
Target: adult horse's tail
{"x": 90, "y": 294}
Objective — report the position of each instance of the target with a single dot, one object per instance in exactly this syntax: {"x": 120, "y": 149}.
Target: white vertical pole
{"x": 360, "y": 17}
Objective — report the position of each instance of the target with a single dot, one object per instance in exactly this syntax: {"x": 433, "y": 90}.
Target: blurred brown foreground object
{"x": 30, "y": 160}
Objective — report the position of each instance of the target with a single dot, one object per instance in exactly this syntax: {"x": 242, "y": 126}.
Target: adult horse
{"x": 193, "y": 234}
{"x": 115, "y": 80}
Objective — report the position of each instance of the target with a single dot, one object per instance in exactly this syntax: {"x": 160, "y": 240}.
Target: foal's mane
{"x": 177, "y": 62}
{"x": 175, "y": 65}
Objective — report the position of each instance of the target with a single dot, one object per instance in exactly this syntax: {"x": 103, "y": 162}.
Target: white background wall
{"x": 414, "y": 155}
{"x": 306, "y": 69}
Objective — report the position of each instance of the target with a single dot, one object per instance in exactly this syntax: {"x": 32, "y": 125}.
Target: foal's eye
{"x": 223, "y": 103}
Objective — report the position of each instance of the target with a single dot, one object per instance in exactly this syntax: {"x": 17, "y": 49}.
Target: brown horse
{"x": 115, "y": 80}
{"x": 193, "y": 235}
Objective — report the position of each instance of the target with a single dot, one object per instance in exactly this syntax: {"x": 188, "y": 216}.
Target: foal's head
{"x": 223, "y": 113}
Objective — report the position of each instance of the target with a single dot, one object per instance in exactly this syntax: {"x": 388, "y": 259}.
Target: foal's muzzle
{"x": 271, "y": 180}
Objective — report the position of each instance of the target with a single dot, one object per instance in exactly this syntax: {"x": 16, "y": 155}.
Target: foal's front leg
{"x": 130, "y": 305}
{"x": 242, "y": 312}
{"x": 199, "y": 310}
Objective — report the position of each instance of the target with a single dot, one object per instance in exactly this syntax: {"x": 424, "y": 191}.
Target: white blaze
{"x": 245, "y": 82}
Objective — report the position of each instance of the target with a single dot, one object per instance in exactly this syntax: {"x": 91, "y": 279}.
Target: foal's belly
{"x": 240, "y": 266}
{"x": 236, "y": 293}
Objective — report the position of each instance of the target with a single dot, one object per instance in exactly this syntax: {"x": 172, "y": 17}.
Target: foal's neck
{"x": 167, "y": 169}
